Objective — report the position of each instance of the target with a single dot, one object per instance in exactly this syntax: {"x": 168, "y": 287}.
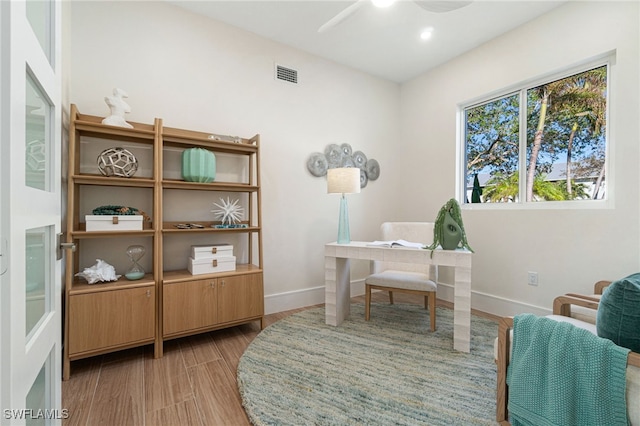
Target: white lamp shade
{"x": 343, "y": 180}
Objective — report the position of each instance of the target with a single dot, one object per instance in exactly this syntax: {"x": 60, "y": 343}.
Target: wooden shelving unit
{"x": 168, "y": 302}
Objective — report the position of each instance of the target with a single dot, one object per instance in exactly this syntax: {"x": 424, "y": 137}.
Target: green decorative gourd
{"x": 448, "y": 231}
{"x": 198, "y": 165}
{"x": 451, "y": 233}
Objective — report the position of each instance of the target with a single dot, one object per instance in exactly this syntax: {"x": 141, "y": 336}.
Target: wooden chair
{"x": 561, "y": 306}
{"x": 405, "y": 277}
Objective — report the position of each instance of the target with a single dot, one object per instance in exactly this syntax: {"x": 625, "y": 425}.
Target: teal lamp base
{"x": 343, "y": 224}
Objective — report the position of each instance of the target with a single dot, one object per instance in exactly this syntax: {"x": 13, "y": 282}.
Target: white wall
{"x": 196, "y": 73}
{"x": 570, "y": 249}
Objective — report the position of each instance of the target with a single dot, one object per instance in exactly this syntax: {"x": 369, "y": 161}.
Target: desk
{"x": 338, "y": 280}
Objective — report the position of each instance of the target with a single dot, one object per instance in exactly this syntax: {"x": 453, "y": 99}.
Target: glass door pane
{"x": 36, "y": 403}
{"x": 37, "y": 288}
{"x": 39, "y": 17}
{"x": 38, "y": 137}
{"x": 39, "y": 408}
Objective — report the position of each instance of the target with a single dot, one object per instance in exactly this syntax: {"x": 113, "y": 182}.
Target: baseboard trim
{"x": 484, "y": 302}
{"x": 286, "y": 301}
{"x": 492, "y": 304}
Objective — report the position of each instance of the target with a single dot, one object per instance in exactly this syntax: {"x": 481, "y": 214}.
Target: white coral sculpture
{"x": 228, "y": 211}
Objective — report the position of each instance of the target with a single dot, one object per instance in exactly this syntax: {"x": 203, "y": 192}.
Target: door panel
{"x": 240, "y": 297}
{"x": 30, "y": 212}
{"x": 111, "y": 318}
{"x": 188, "y": 306}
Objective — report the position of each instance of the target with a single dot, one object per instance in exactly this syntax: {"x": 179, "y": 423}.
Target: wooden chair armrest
{"x": 504, "y": 327}
{"x": 599, "y": 287}
{"x": 584, "y": 296}
{"x": 562, "y": 304}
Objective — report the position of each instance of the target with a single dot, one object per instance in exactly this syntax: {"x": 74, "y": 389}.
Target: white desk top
{"x": 362, "y": 250}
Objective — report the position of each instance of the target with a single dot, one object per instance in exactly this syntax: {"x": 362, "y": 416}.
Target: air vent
{"x": 286, "y": 74}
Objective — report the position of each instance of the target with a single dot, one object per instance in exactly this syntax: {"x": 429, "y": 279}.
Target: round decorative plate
{"x": 363, "y": 178}
{"x": 317, "y": 164}
{"x": 346, "y": 149}
{"x": 359, "y": 159}
{"x": 333, "y": 153}
{"x": 347, "y": 161}
{"x": 373, "y": 169}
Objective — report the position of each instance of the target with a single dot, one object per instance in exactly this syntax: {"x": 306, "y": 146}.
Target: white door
{"x": 30, "y": 207}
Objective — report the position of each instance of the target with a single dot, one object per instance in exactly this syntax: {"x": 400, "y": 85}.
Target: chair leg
{"x": 391, "y": 297}
{"x": 432, "y": 310}
{"x": 367, "y": 301}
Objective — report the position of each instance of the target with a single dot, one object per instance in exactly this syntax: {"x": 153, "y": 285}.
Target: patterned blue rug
{"x": 388, "y": 371}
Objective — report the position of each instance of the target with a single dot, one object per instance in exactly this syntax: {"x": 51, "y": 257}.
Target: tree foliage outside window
{"x": 558, "y": 149}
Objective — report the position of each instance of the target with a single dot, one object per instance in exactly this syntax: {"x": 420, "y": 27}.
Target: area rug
{"x": 390, "y": 370}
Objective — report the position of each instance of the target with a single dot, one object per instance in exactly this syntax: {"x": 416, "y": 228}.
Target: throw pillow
{"x": 618, "y": 317}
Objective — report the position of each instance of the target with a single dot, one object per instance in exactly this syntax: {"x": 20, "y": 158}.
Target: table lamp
{"x": 343, "y": 181}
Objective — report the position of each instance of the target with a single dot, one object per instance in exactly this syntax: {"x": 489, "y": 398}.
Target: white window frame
{"x": 606, "y": 59}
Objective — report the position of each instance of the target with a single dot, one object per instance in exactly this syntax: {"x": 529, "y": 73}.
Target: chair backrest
{"x": 416, "y": 232}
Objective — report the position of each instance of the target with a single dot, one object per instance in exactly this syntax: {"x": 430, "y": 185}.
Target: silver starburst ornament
{"x": 228, "y": 211}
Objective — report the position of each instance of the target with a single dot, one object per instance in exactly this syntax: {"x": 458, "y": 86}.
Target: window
{"x": 543, "y": 142}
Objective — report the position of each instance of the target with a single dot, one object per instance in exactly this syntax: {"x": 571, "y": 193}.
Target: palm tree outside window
{"x": 556, "y": 153}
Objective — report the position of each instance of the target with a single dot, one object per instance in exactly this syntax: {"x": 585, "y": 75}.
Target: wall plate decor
{"x": 359, "y": 159}
{"x": 364, "y": 179}
{"x": 334, "y": 155}
{"x": 337, "y": 156}
{"x": 317, "y": 164}
{"x": 373, "y": 169}
{"x": 117, "y": 162}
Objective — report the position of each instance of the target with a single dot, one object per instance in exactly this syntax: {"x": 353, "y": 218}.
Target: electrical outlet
{"x": 532, "y": 278}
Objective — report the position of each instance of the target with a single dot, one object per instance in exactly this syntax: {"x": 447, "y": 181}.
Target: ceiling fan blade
{"x": 341, "y": 16}
{"x": 441, "y": 6}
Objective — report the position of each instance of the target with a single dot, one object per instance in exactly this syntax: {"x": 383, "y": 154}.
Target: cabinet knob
{"x": 212, "y": 284}
{"x": 148, "y": 294}
{"x": 222, "y": 283}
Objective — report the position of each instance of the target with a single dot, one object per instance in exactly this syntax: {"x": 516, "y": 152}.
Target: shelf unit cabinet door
{"x": 111, "y": 318}
{"x": 188, "y": 306}
{"x": 240, "y": 297}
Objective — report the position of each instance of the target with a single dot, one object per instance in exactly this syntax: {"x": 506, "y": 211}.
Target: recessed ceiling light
{"x": 426, "y": 33}
{"x": 382, "y": 3}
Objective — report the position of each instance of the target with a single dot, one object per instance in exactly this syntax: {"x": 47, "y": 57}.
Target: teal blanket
{"x": 562, "y": 375}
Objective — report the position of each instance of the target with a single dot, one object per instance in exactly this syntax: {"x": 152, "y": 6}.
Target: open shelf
{"x": 105, "y": 317}
{"x": 80, "y": 286}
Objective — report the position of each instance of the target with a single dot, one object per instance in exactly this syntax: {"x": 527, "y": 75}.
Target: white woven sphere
{"x": 117, "y": 162}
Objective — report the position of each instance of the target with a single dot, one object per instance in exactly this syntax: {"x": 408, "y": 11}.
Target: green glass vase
{"x": 198, "y": 165}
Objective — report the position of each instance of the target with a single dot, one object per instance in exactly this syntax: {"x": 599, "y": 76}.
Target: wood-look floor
{"x": 194, "y": 383}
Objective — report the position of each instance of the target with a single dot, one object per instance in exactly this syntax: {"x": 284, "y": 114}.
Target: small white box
{"x": 113, "y": 223}
{"x": 209, "y": 266}
{"x": 211, "y": 251}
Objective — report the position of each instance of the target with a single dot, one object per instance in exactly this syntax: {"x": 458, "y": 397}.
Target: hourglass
{"x": 135, "y": 253}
